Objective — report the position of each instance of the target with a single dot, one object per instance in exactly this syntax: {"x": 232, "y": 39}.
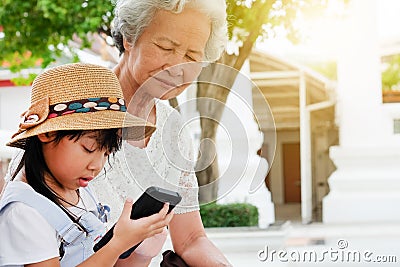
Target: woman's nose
{"x": 175, "y": 70}
{"x": 175, "y": 64}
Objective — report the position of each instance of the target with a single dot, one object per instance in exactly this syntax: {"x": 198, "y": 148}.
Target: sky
{"x": 388, "y": 18}
{"x": 322, "y": 31}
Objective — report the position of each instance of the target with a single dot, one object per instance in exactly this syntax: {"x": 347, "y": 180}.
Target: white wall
{"x": 13, "y": 101}
{"x": 366, "y": 185}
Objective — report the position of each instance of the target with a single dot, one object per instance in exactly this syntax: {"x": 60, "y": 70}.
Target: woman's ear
{"x": 46, "y": 137}
{"x": 127, "y": 46}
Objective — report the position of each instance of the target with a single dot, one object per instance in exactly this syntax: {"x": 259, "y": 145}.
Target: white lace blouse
{"x": 167, "y": 162}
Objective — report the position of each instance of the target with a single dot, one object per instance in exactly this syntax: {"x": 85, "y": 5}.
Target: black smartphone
{"x": 149, "y": 203}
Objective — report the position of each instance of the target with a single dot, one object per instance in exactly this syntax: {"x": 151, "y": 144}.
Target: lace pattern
{"x": 167, "y": 161}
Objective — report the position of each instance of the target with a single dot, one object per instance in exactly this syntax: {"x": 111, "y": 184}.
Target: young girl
{"x": 48, "y": 214}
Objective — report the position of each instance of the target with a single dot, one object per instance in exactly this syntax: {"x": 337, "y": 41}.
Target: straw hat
{"x": 78, "y": 97}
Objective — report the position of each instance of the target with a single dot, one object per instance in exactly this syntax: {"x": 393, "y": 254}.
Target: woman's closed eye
{"x": 165, "y": 48}
{"x": 191, "y": 58}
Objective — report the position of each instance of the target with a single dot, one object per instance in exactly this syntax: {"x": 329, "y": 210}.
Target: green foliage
{"x": 328, "y": 69}
{"x": 245, "y": 16}
{"x": 20, "y": 81}
{"x": 229, "y": 215}
{"x": 44, "y": 26}
{"x": 391, "y": 74}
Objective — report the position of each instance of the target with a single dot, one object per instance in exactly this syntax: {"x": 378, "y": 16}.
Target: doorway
{"x": 291, "y": 172}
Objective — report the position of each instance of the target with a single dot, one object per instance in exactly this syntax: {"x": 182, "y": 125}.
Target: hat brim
{"x": 134, "y": 128}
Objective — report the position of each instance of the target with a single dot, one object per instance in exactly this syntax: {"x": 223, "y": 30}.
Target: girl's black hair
{"x": 35, "y": 165}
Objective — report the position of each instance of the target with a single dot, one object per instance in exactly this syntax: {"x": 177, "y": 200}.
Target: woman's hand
{"x": 145, "y": 252}
{"x": 128, "y": 232}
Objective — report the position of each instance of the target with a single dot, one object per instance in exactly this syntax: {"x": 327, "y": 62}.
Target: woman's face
{"x": 166, "y": 57}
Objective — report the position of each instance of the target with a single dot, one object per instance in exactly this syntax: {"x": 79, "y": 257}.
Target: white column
{"x": 366, "y": 185}
{"x": 305, "y": 154}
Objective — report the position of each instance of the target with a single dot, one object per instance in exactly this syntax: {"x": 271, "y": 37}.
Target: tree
{"x": 35, "y": 30}
{"x": 40, "y": 29}
{"x": 391, "y": 74}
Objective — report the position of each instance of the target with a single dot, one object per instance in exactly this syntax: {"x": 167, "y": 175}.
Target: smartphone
{"x": 149, "y": 203}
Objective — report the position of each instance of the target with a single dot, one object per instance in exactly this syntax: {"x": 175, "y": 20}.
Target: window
{"x": 396, "y": 126}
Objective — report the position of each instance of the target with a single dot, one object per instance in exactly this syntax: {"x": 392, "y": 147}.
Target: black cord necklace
{"x": 73, "y": 205}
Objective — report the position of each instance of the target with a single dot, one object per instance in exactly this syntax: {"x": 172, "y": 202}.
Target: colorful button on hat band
{"x": 87, "y": 105}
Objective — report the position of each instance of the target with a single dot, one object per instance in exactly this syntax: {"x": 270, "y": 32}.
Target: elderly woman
{"x": 162, "y": 44}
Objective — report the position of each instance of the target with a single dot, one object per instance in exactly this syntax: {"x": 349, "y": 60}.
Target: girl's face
{"x": 73, "y": 163}
{"x": 169, "y": 51}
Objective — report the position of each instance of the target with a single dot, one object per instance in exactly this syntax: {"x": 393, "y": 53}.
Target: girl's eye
{"x": 89, "y": 150}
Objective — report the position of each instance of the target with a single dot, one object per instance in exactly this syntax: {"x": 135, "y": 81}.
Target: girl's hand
{"x": 128, "y": 233}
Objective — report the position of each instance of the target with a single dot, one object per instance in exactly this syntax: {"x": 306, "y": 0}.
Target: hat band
{"x": 40, "y": 110}
{"x": 87, "y": 105}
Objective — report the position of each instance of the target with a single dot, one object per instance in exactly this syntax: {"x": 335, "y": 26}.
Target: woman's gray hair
{"x": 131, "y": 17}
